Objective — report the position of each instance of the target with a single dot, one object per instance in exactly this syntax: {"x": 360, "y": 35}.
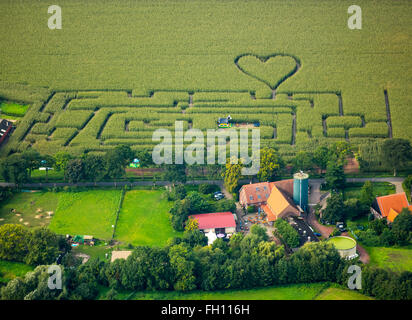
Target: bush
{"x": 208, "y": 188}
{"x": 251, "y": 209}
{"x": 287, "y": 233}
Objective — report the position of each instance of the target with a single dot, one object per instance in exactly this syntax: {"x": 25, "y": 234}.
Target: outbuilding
{"x": 217, "y": 222}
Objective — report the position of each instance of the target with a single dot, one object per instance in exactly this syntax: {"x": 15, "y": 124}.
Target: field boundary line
{"x": 118, "y": 210}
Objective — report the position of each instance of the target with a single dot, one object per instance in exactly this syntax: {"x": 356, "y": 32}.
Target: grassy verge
{"x": 394, "y": 258}
{"x": 10, "y": 270}
{"x": 352, "y": 190}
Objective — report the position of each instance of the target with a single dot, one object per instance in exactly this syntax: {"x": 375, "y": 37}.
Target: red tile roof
{"x": 215, "y": 220}
{"x": 396, "y": 202}
{"x": 256, "y": 192}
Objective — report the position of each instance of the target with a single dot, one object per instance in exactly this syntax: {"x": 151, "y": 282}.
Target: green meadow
{"x": 144, "y": 218}
{"x": 91, "y": 212}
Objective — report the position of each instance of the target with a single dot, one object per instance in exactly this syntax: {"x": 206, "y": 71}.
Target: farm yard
{"x": 145, "y": 80}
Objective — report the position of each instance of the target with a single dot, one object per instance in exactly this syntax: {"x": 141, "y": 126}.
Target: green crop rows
{"x": 82, "y": 122}
{"x": 118, "y": 70}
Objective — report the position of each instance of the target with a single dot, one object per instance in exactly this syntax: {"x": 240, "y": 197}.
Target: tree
{"x": 225, "y": 205}
{"x": 335, "y": 209}
{"x": 116, "y": 160}
{"x": 367, "y": 194}
{"x": 321, "y": 157}
{"x": 61, "y": 159}
{"x": 14, "y": 169}
{"x": 402, "y": 227}
{"x": 94, "y": 169}
{"x": 74, "y": 170}
{"x": 232, "y": 175}
{"x": 335, "y": 176}
{"x": 175, "y": 173}
{"x": 339, "y": 150}
{"x": 194, "y": 238}
{"x": 191, "y": 225}
{"x": 145, "y": 158}
{"x": 13, "y": 242}
{"x": 260, "y": 232}
{"x": 396, "y": 153}
{"x": 303, "y": 161}
{"x": 42, "y": 247}
{"x": 269, "y": 164}
{"x": 32, "y": 158}
{"x": 289, "y": 235}
{"x": 183, "y": 267}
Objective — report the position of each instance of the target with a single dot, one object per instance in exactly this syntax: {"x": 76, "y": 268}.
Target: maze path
{"x": 94, "y": 121}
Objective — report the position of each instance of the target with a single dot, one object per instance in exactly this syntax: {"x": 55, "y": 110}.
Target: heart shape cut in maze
{"x": 271, "y": 70}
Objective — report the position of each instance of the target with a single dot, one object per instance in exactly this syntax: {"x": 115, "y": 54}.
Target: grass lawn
{"x": 352, "y": 190}
{"x": 27, "y": 206}
{"x": 52, "y": 175}
{"x": 13, "y": 109}
{"x": 97, "y": 251}
{"x": 144, "y": 218}
{"x": 10, "y": 270}
{"x": 395, "y": 258}
{"x": 318, "y": 291}
{"x": 91, "y": 212}
{"x": 341, "y": 294}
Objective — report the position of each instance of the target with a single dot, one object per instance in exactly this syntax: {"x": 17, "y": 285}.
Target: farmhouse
{"x": 390, "y": 206}
{"x": 218, "y": 222}
{"x": 5, "y": 128}
{"x": 274, "y": 198}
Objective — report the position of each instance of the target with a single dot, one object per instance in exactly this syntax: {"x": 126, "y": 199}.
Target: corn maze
{"x": 95, "y": 121}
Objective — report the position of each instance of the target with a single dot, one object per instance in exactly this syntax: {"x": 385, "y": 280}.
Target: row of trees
{"x": 286, "y": 232}
{"x": 186, "y": 264}
{"x": 17, "y": 167}
{"x": 33, "y": 247}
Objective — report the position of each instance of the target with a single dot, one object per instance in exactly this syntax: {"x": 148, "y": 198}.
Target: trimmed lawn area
{"x": 311, "y": 291}
{"x": 395, "y": 258}
{"x": 27, "y": 206}
{"x": 144, "y": 218}
{"x": 341, "y": 294}
{"x": 289, "y": 292}
{"x": 352, "y": 190}
{"x": 97, "y": 251}
{"x": 10, "y": 270}
{"x": 52, "y": 175}
{"x": 13, "y": 109}
{"x": 91, "y": 212}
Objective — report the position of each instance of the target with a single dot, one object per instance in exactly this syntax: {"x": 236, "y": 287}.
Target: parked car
{"x": 218, "y": 195}
{"x": 317, "y": 234}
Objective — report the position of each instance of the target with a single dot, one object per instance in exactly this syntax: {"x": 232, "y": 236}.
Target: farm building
{"x": 390, "y": 206}
{"x": 5, "y": 128}
{"x": 218, "y": 222}
{"x": 274, "y": 198}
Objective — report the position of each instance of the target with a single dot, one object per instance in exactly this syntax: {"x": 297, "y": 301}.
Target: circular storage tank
{"x": 346, "y": 246}
{"x": 301, "y": 189}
